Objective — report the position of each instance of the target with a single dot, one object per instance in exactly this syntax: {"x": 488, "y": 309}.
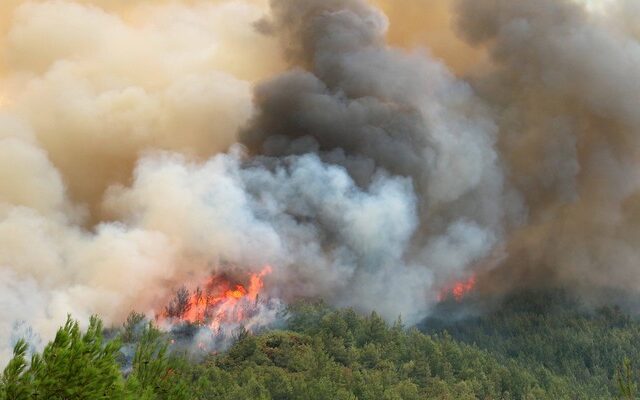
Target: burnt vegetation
{"x": 179, "y": 305}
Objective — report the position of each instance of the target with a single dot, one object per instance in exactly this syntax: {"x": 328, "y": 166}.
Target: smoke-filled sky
{"x": 370, "y": 152}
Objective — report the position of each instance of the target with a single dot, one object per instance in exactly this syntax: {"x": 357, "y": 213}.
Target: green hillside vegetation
{"x": 337, "y": 354}
{"x": 551, "y": 335}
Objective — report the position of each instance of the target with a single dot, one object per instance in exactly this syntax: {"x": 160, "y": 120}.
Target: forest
{"x": 533, "y": 346}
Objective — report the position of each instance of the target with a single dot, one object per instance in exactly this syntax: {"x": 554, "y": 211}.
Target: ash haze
{"x": 370, "y": 152}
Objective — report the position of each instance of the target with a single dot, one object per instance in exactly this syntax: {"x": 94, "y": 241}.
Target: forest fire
{"x": 221, "y": 302}
{"x": 458, "y": 290}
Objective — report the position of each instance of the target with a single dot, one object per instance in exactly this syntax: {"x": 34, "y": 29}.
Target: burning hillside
{"x": 220, "y": 303}
{"x": 144, "y": 142}
{"x": 458, "y": 289}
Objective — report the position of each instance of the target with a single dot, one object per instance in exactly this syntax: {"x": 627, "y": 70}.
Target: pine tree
{"x": 153, "y": 376}
{"x": 179, "y": 306}
{"x": 72, "y": 366}
{"x": 15, "y": 383}
{"x": 626, "y": 381}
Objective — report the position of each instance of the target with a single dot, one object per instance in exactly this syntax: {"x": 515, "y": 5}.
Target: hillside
{"x": 553, "y": 337}
{"x": 524, "y": 350}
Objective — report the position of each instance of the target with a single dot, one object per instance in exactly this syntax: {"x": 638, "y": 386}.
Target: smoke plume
{"x": 369, "y": 158}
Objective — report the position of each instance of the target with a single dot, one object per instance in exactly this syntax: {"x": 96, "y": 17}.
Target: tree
{"x": 72, "y": 366}
{"x": 179, "y": 306}
{"x": 626, "y": 381}
{"x": 153, "y": 376}
{"x": 131, "y": 327}
{"x": 15, "y": 383}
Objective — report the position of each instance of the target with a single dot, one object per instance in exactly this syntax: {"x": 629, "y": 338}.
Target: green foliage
{"x": 525, "y": 351}
{"x": 330, "y": 354}
{"x": 153, "y": 373}
{"x": 131, "y": 327}
{"x": 15, "y": 383}
{"x": 559, "y": 342}
{"x": 84, "y": 366}
{"x": 72, "y": 366}
{"x": 626, "y": 381}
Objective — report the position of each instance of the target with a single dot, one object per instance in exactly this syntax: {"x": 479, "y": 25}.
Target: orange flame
{"x": 223, "y": 302}
{"x": 459, "y": 289}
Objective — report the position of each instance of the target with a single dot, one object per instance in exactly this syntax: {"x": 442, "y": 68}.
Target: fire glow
{"x": 221, "y": 303}
{"x": 458, "y": 290}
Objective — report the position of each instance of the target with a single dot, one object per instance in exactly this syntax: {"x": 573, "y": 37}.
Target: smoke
{"x": 111, "y": 82}
{"x": 370, "y": 109}
{"x": 428, "y": 24}
{"x": 155, "y": 76}
{"x": 173, "y": 140}
{"x": 564, "y": 89}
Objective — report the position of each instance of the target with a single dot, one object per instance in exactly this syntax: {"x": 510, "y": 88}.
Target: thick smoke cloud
{"x": 565, "y": 91}
{"x": 112, "y": 81}
{"x": 176, "y": 139}
{"x": 369, "y": 108}
{"x": 151, "y": 76}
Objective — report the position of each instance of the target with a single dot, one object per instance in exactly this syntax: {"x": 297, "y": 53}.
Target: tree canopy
{"x": 324, "y": 353}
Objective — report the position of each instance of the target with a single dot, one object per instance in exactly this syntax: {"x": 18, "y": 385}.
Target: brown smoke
{"x": 420, "y": 23}
{"x": 565, "y": 93}
{"x": 142, "y": 75}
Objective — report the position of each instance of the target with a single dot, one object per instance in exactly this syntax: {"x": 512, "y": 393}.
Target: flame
{"x": 222, "y": 302}
{"x": 459, "y": 289}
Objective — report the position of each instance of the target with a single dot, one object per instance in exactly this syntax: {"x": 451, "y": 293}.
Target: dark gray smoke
{"x": 368, "y": 109}
{"x": 527, "y": 164}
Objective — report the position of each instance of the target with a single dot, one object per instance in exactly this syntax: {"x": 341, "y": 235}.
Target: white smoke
{"x": 111, "y": 81}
